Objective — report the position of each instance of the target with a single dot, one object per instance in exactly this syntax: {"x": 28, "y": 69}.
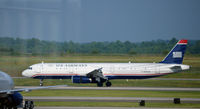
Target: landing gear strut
{"x": 41, "y": 82}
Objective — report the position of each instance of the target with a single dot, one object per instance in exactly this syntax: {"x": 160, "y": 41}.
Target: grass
{"x": 114, "y": 93}
{"x": 118, "y": 104}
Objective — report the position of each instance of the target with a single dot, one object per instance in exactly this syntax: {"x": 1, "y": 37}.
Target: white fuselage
{"x": 111, "y": 70}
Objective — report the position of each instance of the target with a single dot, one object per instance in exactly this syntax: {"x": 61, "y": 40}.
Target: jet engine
{"x": 82, "y": 79}
{"x": 12, "y": 100}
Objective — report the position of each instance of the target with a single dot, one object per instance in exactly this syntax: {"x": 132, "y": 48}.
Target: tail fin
{"x": 176, "y": 54}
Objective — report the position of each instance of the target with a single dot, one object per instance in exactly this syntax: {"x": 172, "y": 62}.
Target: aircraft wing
{"x": 28, "y": 89}
{"x": 97, "y": 75}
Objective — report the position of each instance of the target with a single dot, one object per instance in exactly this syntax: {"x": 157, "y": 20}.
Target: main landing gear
{"x": 41, "y": 82}
{"x": 108, "y": 84}
{"x": 28, "y": 105}
{"x": 100, "y": 84}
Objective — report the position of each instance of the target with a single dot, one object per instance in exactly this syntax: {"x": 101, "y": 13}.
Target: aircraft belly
{"x": 132, "y": 77}
{"x": 53, "y": 77}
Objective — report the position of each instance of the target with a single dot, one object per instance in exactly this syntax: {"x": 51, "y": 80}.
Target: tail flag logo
{"x": 177, "y": 54}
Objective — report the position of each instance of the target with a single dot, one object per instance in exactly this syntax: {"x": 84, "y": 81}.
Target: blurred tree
{"x": 18, "y": 46}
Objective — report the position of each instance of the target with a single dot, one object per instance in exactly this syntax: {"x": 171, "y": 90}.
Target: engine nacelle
{"x": 12, "y": 100}
{"x": 17, "y": 98}
{"x": 81, "y": 79}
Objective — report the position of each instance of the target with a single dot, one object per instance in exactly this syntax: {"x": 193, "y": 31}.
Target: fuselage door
{"x": 157, "y": 69}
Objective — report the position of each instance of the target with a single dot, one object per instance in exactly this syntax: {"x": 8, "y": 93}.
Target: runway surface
{"x": 105, "y": 108}
{"x": 112, "y": 99}
{"x": 183, "y": 79}
{"x": 120, "y": 88}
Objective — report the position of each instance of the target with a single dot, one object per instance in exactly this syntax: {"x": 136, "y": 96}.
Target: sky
{"x": 100, "y": 20}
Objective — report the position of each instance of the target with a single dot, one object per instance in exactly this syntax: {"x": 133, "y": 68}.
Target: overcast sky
{"x": 100, "y": 20}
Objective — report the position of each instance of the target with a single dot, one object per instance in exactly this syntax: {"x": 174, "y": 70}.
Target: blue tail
{"x": 176, "y": 55}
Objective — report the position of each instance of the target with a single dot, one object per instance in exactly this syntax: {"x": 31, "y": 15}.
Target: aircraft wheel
{"x": 100, "y": 84}
{"x": 28, "y": 105}
{"x": 108, "y": 84}
{"x": 31, "y": 105}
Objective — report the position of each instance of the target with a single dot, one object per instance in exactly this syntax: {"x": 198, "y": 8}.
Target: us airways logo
{"x": 177, "y": 54}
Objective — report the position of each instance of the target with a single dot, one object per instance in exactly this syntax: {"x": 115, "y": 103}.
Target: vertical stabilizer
{"x": 176, "y": 54}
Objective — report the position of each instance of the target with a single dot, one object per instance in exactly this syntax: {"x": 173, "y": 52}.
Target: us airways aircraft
{"x": 10, "y": 98}
{"x": 103, "y": 72}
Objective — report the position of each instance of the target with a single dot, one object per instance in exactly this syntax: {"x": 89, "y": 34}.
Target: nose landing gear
{"x": 41, "y": 82}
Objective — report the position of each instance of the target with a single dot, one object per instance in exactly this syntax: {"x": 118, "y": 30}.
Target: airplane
{"x": 10, "y": 98}
{"x": 104, "y": 72}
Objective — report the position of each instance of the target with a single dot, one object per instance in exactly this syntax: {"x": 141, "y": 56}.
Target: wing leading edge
{"x": 29, "y": 89}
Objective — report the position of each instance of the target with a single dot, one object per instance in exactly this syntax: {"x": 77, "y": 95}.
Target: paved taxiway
{"x": 121, "y": 88}
{"x": 105, "y": 108}
{"x": 112, "y": 99}
{"x": 183, "y": 79}
{"x": 179, "y": 79}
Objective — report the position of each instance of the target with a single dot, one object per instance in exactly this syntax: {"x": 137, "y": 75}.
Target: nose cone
{"x": 27, "y": 73}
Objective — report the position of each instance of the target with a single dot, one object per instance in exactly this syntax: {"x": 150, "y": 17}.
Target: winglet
{"x": 177, "y": 53}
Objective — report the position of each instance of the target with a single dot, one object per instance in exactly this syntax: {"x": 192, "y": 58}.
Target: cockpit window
{"x": 30, "y": 68}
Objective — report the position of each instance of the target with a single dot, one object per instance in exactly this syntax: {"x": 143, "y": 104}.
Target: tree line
{"x": 36, "y": 47}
